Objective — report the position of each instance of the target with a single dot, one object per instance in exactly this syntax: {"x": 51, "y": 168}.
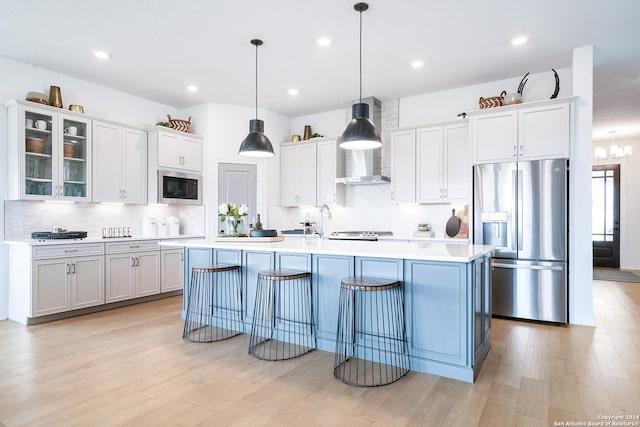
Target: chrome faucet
{"x": 322, "y": 208}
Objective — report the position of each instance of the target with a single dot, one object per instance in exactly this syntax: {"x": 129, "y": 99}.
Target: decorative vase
{"x": 234, "y": 227}
{"x": 307, "y": 132}
{"x": 55, "y": 97}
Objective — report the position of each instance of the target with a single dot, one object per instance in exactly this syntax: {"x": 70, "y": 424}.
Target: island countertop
{"x": 425, "y": 251}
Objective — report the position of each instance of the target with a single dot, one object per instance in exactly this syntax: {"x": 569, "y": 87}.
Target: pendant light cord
{"x": 361, "y": 56}
{"x": 256, "y": 81}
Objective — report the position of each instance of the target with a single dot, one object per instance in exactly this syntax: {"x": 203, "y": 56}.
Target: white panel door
{"x": 308, "y": 172}
{"x": 495, "y": 137}
{"x": 430, "y": 185}
{"x": 106, "y": 162}
{"x": 171, "y": 274}
{"x": 192, "y": 153}
{"x": 544, "y": 132}
{"x": 168, "y": 150}
{"x": 237, "y": 184}
{"x": 87, "y": 284}
{"x": 457, "y": 166}
{"x": 134, "y": 165}
{"x": 147, "y": 273}
{"x": 403, "y": 166}
{"x": 289, "y": 176}
{"x": 119, "y": 268}
{"x": 50, "y": 290}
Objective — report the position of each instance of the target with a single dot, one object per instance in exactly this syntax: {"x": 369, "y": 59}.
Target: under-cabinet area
{"x": 49, "y": 281}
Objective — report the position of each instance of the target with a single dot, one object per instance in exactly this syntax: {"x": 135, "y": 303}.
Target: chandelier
{"x": 615, "y": 151}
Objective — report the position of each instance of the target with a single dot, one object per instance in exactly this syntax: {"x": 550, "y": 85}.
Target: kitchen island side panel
{"x": 253, "y": 262}
{"x": 328, "y": 272}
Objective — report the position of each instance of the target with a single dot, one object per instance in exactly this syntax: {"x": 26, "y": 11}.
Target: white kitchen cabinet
{"x": 431, "y": 164}
{"x": 172, "y": 149}
{"x": 63, "y": 278}
{"x": 403, "y": 166}
{"x": 49, "y": 152}
{"x": 330, "y": 165}
{"x": 172, "y": 273}
{"x": 298, "y": 174}
{"x": 544, "y": 132}
{"x": 132, "y": 270}
{"x": 522, "y": 133}
{"x": 442, "y": 164}
{"x": 120, "y": 163}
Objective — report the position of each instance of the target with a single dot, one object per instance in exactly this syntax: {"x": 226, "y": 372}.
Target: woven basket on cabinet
{"x": 181, "y": 125}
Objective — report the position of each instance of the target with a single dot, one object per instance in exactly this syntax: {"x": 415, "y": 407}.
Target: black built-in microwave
{"x": 179, "y": 188}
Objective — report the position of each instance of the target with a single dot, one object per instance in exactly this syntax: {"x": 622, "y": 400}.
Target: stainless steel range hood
{"x": 365, "y": 166}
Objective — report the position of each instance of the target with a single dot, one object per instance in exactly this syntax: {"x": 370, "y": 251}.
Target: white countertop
{"x": 47, "y": 242}
{"x": 425, "y": 251}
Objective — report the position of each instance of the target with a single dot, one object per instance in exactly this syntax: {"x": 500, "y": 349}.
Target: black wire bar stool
{"x": 371, "y": 339}
{"x": 282, "y": 326}
{"x": 214, "y": 304}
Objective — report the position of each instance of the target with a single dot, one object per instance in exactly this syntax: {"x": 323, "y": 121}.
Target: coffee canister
{"x": 55, "y": 97}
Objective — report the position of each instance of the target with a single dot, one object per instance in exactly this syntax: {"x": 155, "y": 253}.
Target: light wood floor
{"x": 129, "y": 366}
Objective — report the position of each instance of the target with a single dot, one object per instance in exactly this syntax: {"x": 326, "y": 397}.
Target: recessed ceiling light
{"x": 519, "y": 40}
{"x": 323, "y": 41}
{"x": 192, "y": 88}
{"x": 417, "y": 63}
{"x": 293, "y": 92}
{"x": 100, "y": 54}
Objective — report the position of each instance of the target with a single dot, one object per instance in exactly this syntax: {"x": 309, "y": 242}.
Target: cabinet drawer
{"x": 63, "y": 251}
{"x": 133, "y": 246}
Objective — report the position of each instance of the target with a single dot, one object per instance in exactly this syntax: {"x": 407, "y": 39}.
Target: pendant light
{"x": 256, "y": 144}
{"x": 361, "y": 133}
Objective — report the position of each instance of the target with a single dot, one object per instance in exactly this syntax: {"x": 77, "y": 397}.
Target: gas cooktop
{"x": 358, "y": 235}
{"x": 48, "y": 235}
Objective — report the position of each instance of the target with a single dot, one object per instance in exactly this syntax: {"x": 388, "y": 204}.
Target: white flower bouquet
{"x": 233, "y": 217}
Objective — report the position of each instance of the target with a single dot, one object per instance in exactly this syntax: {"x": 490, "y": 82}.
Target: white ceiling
{"x": 160, "y": 46}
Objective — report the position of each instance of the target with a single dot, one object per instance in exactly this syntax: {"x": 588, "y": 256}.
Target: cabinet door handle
{"x": 67, "y": 268}
{"x": 521, "y": 148}
{"x": 137, "y": 262}
{"x": 70, "y": 250}
{"x": 133, "y": 261}
{"x": 134, "y": 246}
{"x": 514, "y": 150}
{"x": 73, "y": 268}
{"x": 444, "y": 193}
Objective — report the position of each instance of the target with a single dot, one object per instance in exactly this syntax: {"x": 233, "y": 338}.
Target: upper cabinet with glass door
{"x": 49, "y": 153}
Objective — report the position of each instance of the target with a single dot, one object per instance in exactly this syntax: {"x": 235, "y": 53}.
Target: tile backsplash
{"x": 24, "y": 217}
{"x": 368, "y": 207}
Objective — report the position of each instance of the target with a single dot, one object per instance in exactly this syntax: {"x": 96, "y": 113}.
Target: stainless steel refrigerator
{"x": 521, "y": 209}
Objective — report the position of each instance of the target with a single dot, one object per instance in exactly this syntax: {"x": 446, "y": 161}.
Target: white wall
{"x": 580, "y": 245}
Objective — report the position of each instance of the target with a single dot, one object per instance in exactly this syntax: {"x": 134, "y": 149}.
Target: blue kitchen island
{"x": 447, "y": 289}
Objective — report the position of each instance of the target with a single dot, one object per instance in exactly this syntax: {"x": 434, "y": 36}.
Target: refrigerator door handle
{"x": 528, "y": 267}
{"x": 514, "y": 211}
{"x": 520, "y": 210}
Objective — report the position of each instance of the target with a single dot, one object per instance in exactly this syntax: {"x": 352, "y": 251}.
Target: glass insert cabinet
{"x": 52, "y": 155}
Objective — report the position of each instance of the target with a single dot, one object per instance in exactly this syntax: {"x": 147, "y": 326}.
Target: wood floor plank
{"x": 130, "y": 367}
